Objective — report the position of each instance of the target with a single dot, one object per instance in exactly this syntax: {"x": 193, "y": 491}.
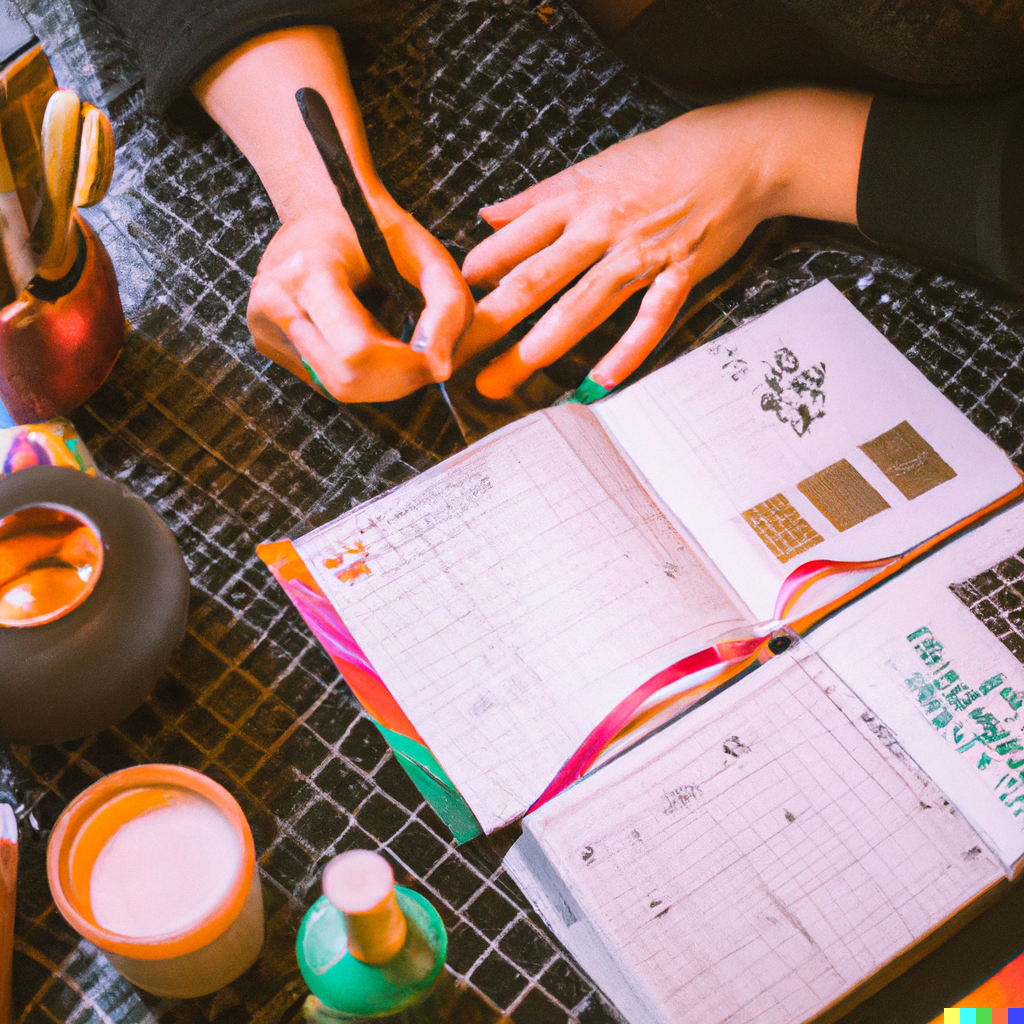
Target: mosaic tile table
{"x": 471, "y": 102}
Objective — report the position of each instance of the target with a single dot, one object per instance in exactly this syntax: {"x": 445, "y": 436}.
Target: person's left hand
{"x": 658, "y": 211}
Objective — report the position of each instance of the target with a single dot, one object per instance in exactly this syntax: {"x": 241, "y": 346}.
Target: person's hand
{"x": 303, "y": 310}
{"x": 303, "y": 307}
{"x": 659, "y": 211}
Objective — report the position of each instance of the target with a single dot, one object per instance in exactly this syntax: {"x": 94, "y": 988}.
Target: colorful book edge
{"x": 433, "y": 783}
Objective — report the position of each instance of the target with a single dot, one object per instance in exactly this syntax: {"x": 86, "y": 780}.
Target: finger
{"x": 500, "y": 214}
{"x": 658, "y": 310}
{"x": 269, "y": 309}
{"x": 494, "y": 257}
{"x": 526, "y": 288}
{"x": 271, "y": 314}
{"x": 337, "y": 313}
{"x": 384, "y": 371}
{"x": 589, "y": 303}
{"x": 349, "y": 350}
{"x": 449, "y": 311}
{"x": 272, "y": 341}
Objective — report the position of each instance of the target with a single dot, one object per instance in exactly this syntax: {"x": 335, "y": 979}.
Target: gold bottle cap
{"x": 361, "y": 885}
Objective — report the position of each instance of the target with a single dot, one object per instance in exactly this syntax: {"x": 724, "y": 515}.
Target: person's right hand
{"x": 303, "y": 306}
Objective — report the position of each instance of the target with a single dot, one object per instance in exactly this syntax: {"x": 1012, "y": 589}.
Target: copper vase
{"x": 59, "y": 340}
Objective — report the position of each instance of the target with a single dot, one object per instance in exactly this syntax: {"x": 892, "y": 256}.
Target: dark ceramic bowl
{"x": 93, "y": 666}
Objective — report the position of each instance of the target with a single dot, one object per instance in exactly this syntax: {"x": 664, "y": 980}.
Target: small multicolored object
{"x": 367, "y": 947}
{"x": 1005, "y": 987}
{"x": 54, "y": 443}
{"x": 969, "y": 1015}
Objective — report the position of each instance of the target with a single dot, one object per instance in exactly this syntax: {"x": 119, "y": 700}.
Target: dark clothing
{"x": 715, "y": 48}
{"x": 177, "y": 40}
{"x": 942, "y": 171}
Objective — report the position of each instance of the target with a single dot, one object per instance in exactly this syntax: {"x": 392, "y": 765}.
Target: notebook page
{"x": 938, "y": 654}
{"x": 510, "y": 597}
{"x": 760, "y": 858}
{"x": 803, "y": 435}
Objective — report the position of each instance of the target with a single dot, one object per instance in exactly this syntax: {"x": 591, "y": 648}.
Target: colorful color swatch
{"x": 908, "y": 460}
{"x": 842, "y": 495}
{"x": 966, "y": 1015}
{"x": 55, "y": 443}
{"x": 1003, "y": 988}
{"x": 781, "y": 527}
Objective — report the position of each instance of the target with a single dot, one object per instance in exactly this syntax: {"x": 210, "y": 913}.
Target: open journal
{"x": 770, "y": 853}
{"x": 563, "y": 587}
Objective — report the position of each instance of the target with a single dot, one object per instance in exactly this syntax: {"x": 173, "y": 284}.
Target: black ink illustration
{"x": 794, "y": 395}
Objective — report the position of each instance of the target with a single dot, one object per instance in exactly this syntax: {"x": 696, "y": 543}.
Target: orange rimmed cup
{"x": 193, "y": 960}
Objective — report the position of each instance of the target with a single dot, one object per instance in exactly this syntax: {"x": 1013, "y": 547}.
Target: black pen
{"x": 318, "y": 119}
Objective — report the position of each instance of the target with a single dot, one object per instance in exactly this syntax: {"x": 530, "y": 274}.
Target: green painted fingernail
{"x": 318, "y": 383}
{"x": 589, "y": 391}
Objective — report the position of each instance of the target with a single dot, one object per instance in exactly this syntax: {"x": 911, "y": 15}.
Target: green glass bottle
{"x": 368, "y": 947}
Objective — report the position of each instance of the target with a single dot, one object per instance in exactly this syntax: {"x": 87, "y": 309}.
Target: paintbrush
{"x": 8, "y": 880}
{"x": 52, "y": 239}
{"x": 13, "y": 229}
{"x": 320, "y": 123}
{"x": 95, "y": 158}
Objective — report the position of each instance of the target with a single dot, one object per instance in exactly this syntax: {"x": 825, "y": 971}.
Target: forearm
{"x": 251, "y": 94}
{"x": 812, "y": 151}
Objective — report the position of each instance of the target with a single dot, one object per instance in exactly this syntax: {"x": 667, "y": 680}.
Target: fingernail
{"x": 420, "y": 341}
{"x": 589, "y": 391}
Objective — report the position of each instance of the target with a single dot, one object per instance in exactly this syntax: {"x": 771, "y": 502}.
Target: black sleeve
{"x": 946, "y": 180}
{"x": 177, "y": 40}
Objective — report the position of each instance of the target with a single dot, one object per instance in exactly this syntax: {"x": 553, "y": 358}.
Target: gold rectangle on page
{"x": 908, "y": 460}
{"x": 782, "y": 529}
{"x": 842, "y": 495}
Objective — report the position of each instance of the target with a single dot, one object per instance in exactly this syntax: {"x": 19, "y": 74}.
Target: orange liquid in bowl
{"x": 50, "y": 560}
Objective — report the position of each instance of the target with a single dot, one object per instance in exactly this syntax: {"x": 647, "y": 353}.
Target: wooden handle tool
{"x": 14, "y": 231}
{"x": 52, "y": 238}
{"x": 95, "y": 158}
{"x": 361, "y": 884}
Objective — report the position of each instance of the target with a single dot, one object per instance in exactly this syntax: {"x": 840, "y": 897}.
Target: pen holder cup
{"x": 192, "y": 959}
{"x": 60, "y": 339}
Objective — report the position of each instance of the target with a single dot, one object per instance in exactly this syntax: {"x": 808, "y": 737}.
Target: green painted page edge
{"x": 433, "y": 784}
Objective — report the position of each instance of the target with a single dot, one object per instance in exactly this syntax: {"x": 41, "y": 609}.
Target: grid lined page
{"x": 765, "y": 855}
{"x": 511, "y": 597}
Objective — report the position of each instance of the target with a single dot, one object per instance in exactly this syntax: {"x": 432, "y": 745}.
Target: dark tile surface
{"x": 997, "y": 599}
{"x": 466, "y": 104}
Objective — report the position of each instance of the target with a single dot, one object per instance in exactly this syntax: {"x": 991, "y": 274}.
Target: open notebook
{"x": 764, "y": 856}
{"x": 497, "y": 612}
